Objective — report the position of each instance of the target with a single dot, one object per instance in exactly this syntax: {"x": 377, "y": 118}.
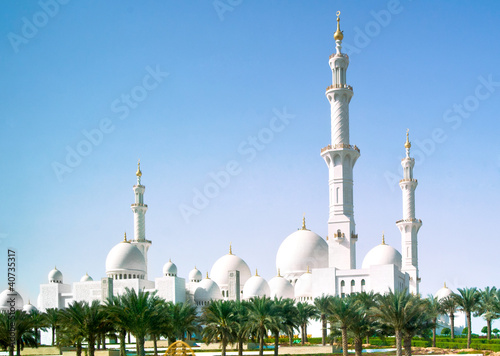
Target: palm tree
{"x": 489, "y": 307}
{"x": 261, "y": 318}
{"x": 5, "y": 337}
{"x": 395, "y": 310}
{"x": 449, "y": 305}
{"x": 24, "y": 330}
{"x": 184, "y": 320}
{"x": 85, "y": 320}
{"x": 162, "y": 324}
{"x": 305, "y": 312}
{"x": 137, "y": 310}
{"x": 52, "y": 319}
{"x": 220, "y": 319}
{"x": 285, "y": 318}
{"x": 368, "y": 301}
{"x": 419, "y": 324}
{"x": 434, "y": 309}
{"x": 71, "y": 334}
{"x": 341, "y": 312}
{"x": 113, "y": 310}
{"x": 322, "y": 303}
{"x": 242, "y": 331}
{"x": 468, "y": 302}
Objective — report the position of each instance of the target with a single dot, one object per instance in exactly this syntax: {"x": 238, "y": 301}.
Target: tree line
{"x": 143, "y": 314}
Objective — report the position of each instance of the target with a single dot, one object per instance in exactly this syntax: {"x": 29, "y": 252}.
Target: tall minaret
{"x": 139, "y": 209}
{"x": 409, "y": 225}
{"x": 340, "y": 158}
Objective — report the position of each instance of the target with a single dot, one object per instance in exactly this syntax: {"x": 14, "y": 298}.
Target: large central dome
{"x": 301, "y": 250}
{"x": 220, "y": 269}
{"x": 125, "y": 258}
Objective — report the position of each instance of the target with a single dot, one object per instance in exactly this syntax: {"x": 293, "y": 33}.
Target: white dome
{"x": 443, "y": 293}
{"x": 125, "y": 258}
{"x": 170, "y": 269}
{"x": 303, "y": 287}
{"x": 7, "y": 296}
{"x": 55, "y": 276}
{"x": 195, "y": 275}
{"x": 281, "y": 288}
{"x": 229, "y": 262}
{"x": 206, "y": 291}
{"x": 300, "y": 250}
{"x": 256, "y": 286}
{"x": 28, "y": 308}
{"x": 382, "y": 255}
{"x": 86, "y": 278}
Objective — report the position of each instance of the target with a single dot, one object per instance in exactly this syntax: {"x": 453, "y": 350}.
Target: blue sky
{"x": 222, "y": 72}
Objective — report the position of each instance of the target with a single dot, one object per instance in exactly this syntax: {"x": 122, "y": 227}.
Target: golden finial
{"x": 383, "y": 238}
{"x": 407, "y": 143}
{"x": 138, "y": 173}
{"x": 230, "y": 248}
{"x": 207, "y": 275}
{"x": 279, "y": 274}
{"x": 125, "y": 237}
{"x": 445, "y": 285}
{"x": 304, "y": 221}
{"x": 308, "y": 269}
{"x": 339, "y": 35}
{"x": 256, "y": 273}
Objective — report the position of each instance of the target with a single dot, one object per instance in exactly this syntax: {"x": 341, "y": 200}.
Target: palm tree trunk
{"x": 305, "y": 332}
{"x": 323, "y": 331}
{"x": 302, "y": 335}
{"x": 155, "y": 345}
{"x": 91, "y": 345}
{"x": 36, "y": 337}
{"x": 261, "y": 345}
{"x": 469, "y": 331}
{"x": 53, "y": 335}
{"x": 240, "y": 347}
{"x": 276, "y": 343}
{"x": 434, "y": 333}
{"x": 18, "y": 347}
{"x": 452, "y": 325}
{"x": 367, "y": 339}
{"x": 358, "y": 345}
{"x": 407, "y": 342}
{"x": 488, "y": 325}
{"x": 78, "y": 348}
{"x": 11, "y": 349}
{"x": 290, "y": 338}
{"x": 139, "y": 342}
{"x": 129, "y": 338}
{"x": 123, "y": 334}
{"x": 344, "y": 341}
{"x": 104, "y": 341}
{"x": 99, "y": 338}
{"x": 399, "y": 348}
{"x": 223, "y": 343}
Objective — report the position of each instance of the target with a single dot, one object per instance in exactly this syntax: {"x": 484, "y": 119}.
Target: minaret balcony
{"x": 138, "y": 204}
{"x": 339, "y": 86}
{"x": 411, "y": 220}
{"x": 408, "y": 180}
{"x": 340, "y": 145}
{"x": 338, "y": 55}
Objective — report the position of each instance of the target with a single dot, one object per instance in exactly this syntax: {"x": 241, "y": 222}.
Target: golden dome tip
{"x": 338, "y": 35}
{"x": 407, "y": 143}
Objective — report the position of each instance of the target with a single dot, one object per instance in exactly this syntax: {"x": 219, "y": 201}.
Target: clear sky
{"x": 88, "y": 88}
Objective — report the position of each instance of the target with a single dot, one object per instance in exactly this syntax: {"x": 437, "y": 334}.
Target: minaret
{"x": 340, "y": 157}
{"x": 409, "y": 225}
{"x": 139, "y": 209}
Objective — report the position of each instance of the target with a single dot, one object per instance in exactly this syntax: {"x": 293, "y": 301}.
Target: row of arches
{"x": 127, "y": 276}
{"x": 344, "y": 291}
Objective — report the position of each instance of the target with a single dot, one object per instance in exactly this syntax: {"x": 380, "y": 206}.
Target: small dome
{"x": 443, "y": 292}
{"x": 206, "y": 291}
{"x": 303, "y": 287}
{"x": 195, "y": 275}
{"x": 382, "y": 255}
{"x": 5, "y": 298}
{"x": 300, "y": 250}
{"x": 256, "y": 286}
{"x": 55, "y": 276}
{"x": 281, "y": 288}
{"x": 125, "y": 258}
{"x": 86, "y": 278}
{"x": 170, "y": 269}
{"x": 28, "y": 308}
{"x": 220, "y": 269}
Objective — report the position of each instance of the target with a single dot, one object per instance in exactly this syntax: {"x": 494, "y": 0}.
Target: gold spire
{"x": 304, "y": 222}
{"x": 445, "y": 285}
{"x": 383, "y": 238}
{"x": 256, "y": 273}
{"x": 279, "y": 274}
{"x": 407, "y": 143}
{"x": 230, "y": 249}
{"x": 308, "y": 269}
{"x": 207, "y": 275}
{"x": 138, "y": 173}
{"x": 125, "y": 237}
{"x": 339, "y": 35}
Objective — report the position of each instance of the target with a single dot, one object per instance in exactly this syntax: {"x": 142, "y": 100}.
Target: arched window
{"x": 353, "y": 285}
{"x": 342, "y": 289}
{"x": 363, "y": 283}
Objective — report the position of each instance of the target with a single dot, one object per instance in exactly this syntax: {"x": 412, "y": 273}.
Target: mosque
{"x": 307, "y": 264}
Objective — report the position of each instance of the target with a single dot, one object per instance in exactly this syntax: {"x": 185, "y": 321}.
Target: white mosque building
{"x": 307, "y": 264}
